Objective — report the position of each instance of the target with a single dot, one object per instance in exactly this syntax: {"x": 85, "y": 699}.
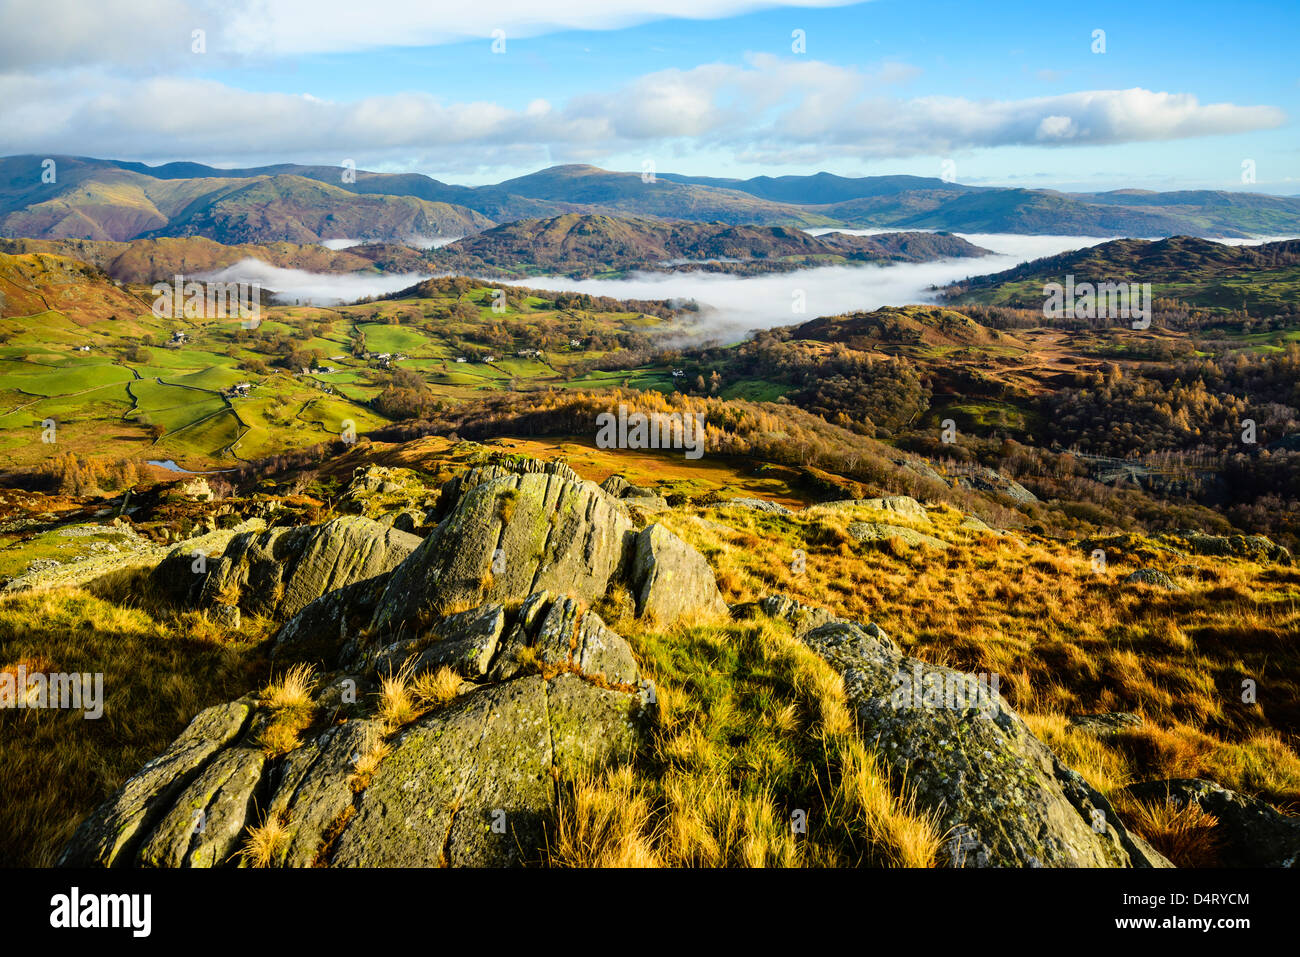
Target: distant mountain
{"x": 109, "y": 199}
{"x": 824, "y": 188}
{"x": 92, "y": 199}
{"x": 583, "y": 245}
{"x": 1199, "y": 272}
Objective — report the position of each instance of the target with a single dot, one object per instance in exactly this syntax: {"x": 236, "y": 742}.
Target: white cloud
{"x": 768, "y": 110}
{"x": 142, "y": 34}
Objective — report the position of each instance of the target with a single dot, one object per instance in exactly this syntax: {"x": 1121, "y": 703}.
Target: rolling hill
{"x": 581, "y": 245}
{"x": 1198, "y": 272}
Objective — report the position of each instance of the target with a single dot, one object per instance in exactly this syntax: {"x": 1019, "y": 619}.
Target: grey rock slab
{"x": 110, "y": 834}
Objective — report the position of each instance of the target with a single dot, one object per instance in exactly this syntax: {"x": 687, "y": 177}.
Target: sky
{"x": 1151, "y": 95}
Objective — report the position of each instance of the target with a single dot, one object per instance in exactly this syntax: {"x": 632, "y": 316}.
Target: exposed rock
{"x": 981, "y": 479}
{"x": 1151, "y": 576}
{"x": 758, "y": 505}
{"x": 878, "y": 534}
{"x": 314, "y": 787}
{"x": 616, "y": 485}
{"x": 670, "y": 579}
{"x": 803, "y": 618}
{"x": 471, "y": 783}
{"x": 279, "y": 571}
{"x": 225, "y": 616}
{"x": 1004, "y": 797}
{"x": 1257, "y": 548}
{"x": 197, "y": 489}
{"x": 506, "y": 538}
{"x": 110, "y": 835}
{"x": 898, "y": 504}
{"x": 203, "y": 827}
{"x": 1250, "y": 833}
{"x": 1107, "y": 724}
{"x": 570, "y": 636}
{"x": 331, "y": 622}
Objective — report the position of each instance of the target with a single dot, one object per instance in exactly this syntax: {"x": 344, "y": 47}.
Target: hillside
{"x": 1199, "y": 272}
{"x": 910, "y": 325}
{"x": 662, "y": 691}
{"x": 35, "y": 285}
{"x": 583, "y": 245}
{"x": 146, "y": 261}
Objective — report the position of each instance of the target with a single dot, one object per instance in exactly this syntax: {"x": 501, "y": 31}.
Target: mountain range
{"x": 118, "y": 200}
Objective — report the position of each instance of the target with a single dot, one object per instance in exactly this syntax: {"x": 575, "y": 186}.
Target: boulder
{"x": 758, "y": 505}
{"x": 278, "y": 572}
{"x": 1151, "y": 576}
{"x": 878, "y": 534}
{"x": 1000, "y": 793}
{"x": 898, "y": 504}
{"x": 1108, "y": 724}
{"x": 1250, "y": 832}
{"x": 671, "y": 580}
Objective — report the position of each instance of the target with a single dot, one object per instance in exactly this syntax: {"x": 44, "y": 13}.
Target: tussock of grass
{"x": 366, "y": 765}
{"x": 436, "y": 688}
{"x": 398, "y": 704}
{"x": 1183, "y": 832}
{"x": 265, "y": 843}
{"x": 292, "y": 708}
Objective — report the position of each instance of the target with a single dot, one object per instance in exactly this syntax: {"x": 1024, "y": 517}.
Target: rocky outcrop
{"x": 981, "y": 479}
{"x": 758, "y": 505}
{"x": 1151, "y": 576}
{"x": 467, "y": 782}
{"x": 879, "y": 534}
{"x": 111, "y": 836}
{"x": 898, "y": 504}
{"x": 507, "y": 536}
{"x": 671, "y": 580}
{"x": 278, "y": 572}
{"x": 1248, "y": 832}
{"x": 1257, "y": 548}
{"x": 1002, "y": 795}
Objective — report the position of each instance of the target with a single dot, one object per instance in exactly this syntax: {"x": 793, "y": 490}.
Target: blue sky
{"x": 1008, "y": 93}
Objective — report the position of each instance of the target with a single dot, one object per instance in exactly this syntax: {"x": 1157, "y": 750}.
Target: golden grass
{"x": 754, "y": 763}
{"x": 264, "y": 843}
{"x": 436, "y": 688}
{"x": 1062, "y": 639}
{"x": 398, "y": 704}
{"x": 158, "y": 674}
{"x": 1182, "y": 832}
{"x": 366, "y": 765}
